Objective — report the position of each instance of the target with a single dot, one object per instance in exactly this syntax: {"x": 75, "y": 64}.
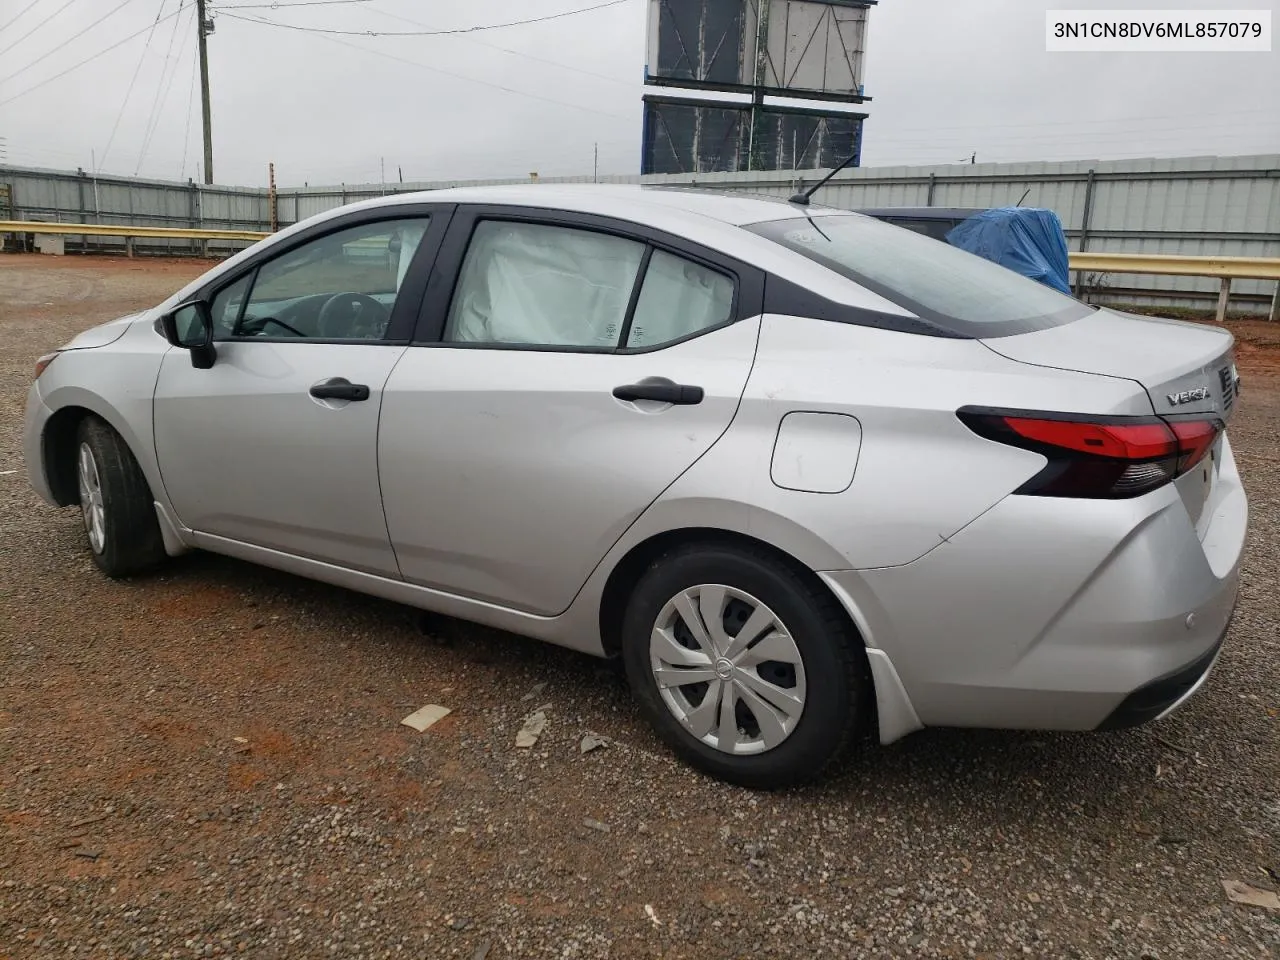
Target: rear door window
{"x": 543, "y": 284}
{"x": 678, "y": 299}
{"x": 554, "y": 285}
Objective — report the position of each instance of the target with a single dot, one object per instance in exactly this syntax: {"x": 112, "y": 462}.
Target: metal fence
{"x": 1226, "y": 206}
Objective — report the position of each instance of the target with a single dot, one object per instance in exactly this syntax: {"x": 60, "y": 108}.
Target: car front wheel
{"x": 745, "y": 666}
{"x": 115, "y": 502}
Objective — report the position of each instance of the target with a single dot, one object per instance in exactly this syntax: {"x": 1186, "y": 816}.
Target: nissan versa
{"x": 810, "y": 475}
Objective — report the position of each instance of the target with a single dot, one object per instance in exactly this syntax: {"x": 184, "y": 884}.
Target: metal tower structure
{"x": 786, "y": 65}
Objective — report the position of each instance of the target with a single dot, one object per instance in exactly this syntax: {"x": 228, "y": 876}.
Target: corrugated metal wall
{"x": 1228, "y": 206}
{"x": 1198, "y": 205}
{"x": 77, "y": 197}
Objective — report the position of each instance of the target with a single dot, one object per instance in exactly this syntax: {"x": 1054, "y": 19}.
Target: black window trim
{"x": 409, "y": 299}
{"x": 748, "y": 281}
{"x": 788, "y": 299}
{"x": 642, "y": 272}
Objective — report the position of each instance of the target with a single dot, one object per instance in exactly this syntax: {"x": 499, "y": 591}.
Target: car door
{"x": 275, "y": 444}
{"x": 569, "y": 369}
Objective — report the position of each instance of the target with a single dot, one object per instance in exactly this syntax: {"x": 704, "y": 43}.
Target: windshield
{"x": 958, "y": 291}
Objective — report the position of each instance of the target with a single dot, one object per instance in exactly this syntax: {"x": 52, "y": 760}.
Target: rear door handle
{"x": 660, "y": 389}
{"x": 339, "y": 388}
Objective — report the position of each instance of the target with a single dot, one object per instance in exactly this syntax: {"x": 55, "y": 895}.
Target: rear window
{"x": 955, "y": 290}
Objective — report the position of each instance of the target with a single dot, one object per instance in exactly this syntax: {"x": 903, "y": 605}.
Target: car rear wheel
{"x": 115, "y": 502}
{"x": 746, "y": 667}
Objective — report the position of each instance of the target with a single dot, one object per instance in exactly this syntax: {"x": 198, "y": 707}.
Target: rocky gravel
{"x": 209, "y": 762}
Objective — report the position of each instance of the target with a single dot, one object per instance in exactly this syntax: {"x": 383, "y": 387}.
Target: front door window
{"x": 342, "y": 286}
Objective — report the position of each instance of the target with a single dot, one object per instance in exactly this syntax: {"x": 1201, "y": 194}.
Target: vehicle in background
{"x": 934, "y": 222}
{"x": 1027, "y": 240}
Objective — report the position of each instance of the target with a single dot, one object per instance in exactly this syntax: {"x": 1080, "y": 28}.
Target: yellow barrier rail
{"x": 122, "y": 230}
{"x": 1225, "y": 268}
{"x": 1237, "y": 268}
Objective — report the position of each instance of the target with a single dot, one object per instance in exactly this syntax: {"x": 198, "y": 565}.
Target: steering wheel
{"x": 352, "y": 316}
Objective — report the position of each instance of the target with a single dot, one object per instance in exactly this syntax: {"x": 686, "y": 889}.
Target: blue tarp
{"x": 1027, "y": 240}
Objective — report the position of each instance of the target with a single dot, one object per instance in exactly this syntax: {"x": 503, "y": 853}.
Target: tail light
{"x": 1098, "y": 457}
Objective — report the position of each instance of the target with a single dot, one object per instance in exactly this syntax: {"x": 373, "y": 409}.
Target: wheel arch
{"x": 58, "y": 449}
{"x": 70, "y": 405}
{"x": 631, "y": 566}
{"x": 890, "y": 708}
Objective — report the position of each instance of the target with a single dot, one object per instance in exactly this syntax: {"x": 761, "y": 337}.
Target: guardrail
{"x": 130, "y": 233}
{"x": 1237, "y": 268}
{"x": 1225, "y": 268}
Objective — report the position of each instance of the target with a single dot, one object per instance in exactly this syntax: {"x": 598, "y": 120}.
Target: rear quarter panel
{"x": 920, "y": 476}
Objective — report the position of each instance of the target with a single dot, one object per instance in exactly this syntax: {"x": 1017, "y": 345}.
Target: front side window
{"x": 959, "y": 291}
{"x": 226, "y": 305}
{"x": 342, "y": 286}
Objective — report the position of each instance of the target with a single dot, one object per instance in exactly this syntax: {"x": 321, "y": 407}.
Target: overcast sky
{"x": 948, "y": 78}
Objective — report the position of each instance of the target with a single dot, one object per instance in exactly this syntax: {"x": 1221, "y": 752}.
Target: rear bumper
{"x": 1059, "y": 614}
{"x": 1159, "y": 698}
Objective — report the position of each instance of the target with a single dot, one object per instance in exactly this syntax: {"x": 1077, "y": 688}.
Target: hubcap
{"x": 91, "y": 504}
{"x": 728, "y": 669}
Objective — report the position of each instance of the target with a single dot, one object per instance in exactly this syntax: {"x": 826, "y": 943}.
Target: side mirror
{"x": 190, "y": 326}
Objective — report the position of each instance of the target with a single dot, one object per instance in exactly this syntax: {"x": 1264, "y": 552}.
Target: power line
{"x": 949, "y": 143}
{"x": 132, "y": 80}
{"x": 1070, "y": 123}
{"x": 37, "y": 26}
{"x": 514, "y": 53}
{"x": 14, "y": 20}
{"x": 279, "y": 6}
{"x": 422, "y": 33}
{"x": 162, "y": 94}
{"x": 64, "y": 43}
{"x": 77, "y": 66}
{"x": 483, "y": 83}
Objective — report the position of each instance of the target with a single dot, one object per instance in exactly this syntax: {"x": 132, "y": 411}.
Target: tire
{"x": 821, "y": 664}
{"x": 116, "y": 503}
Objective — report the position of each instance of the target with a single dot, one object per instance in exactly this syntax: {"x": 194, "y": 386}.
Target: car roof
{"x": 923, "y": 213}
{"x": 629, "y": 201}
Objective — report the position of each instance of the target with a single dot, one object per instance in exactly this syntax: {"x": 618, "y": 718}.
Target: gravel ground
{"x": 208, "y": 762}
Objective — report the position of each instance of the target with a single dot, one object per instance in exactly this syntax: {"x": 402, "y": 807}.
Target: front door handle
{"x": 660, "y": 389}
{"x": 339, "y": 388}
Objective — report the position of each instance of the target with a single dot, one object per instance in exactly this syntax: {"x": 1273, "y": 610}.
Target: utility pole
{"x": 204, "y": 27}
{"x": 595, "y": 163}
{"x": 272, "y": 203}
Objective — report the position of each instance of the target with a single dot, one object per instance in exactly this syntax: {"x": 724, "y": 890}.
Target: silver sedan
{"x": 813, "y": 477}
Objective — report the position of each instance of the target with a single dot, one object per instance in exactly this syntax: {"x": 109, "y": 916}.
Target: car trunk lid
{"x": 1186, "y": 369}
